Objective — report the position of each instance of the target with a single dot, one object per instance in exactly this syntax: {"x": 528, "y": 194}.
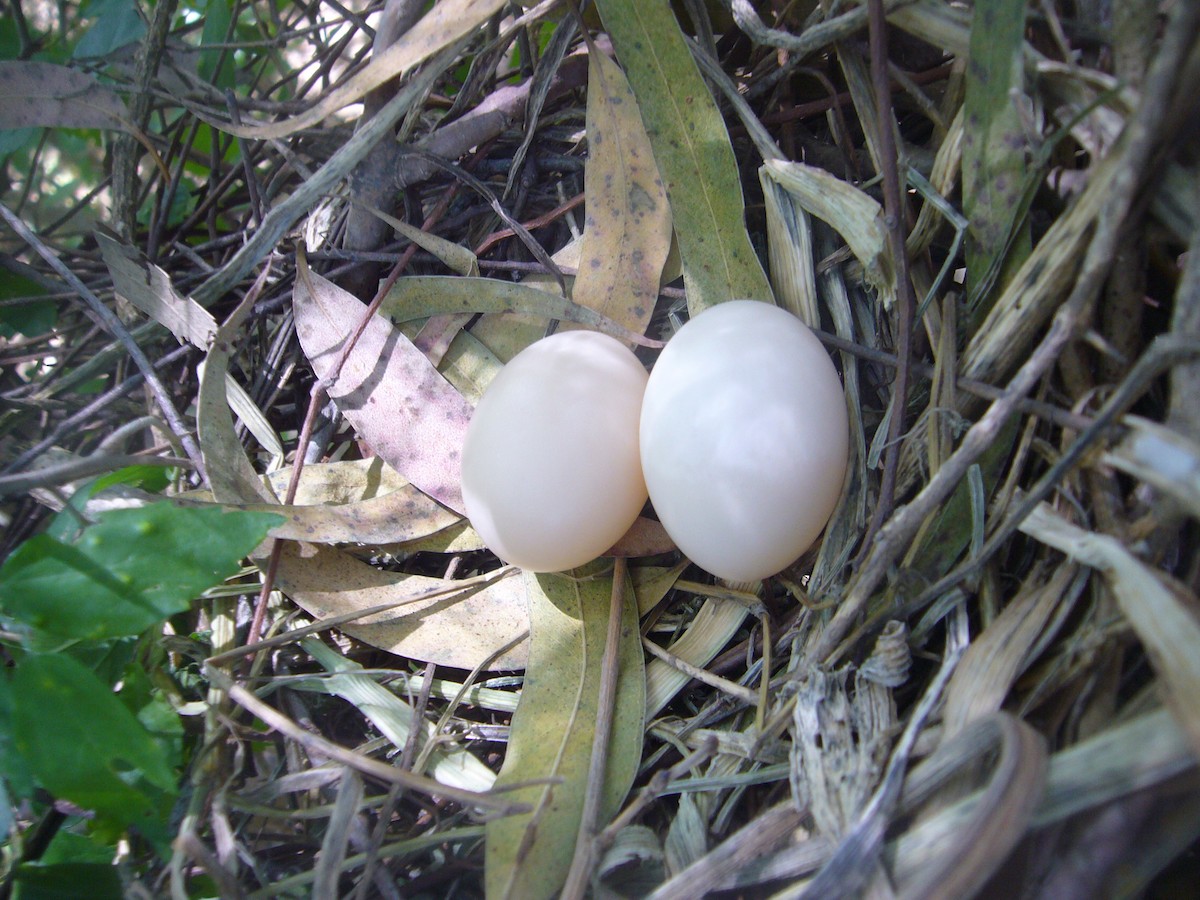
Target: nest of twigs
{"x": 982, "y": 679}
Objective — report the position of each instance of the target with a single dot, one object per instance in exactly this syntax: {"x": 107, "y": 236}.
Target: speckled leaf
{"x": 458, "y": 628}
{"x": 692, "y": 150}
{"x": 361, "y": 501}
{"x": 994, "y": 144}
{"x": 627, "y": 232}
{"x": 392, "y": 395}
{"x": 44, "y": 94}
{"x": 527, "y": 856}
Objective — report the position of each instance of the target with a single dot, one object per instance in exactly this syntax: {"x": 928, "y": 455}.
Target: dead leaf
{"x": 392, "y": 395}
{"x": 149, "y": 288}
{"x": 433, "y": 295}
{"x": 230, "y": 474}
{"x": 460, "y": 630}
{"x": 627, "y": 232}
{"x": 1160, "y": 612}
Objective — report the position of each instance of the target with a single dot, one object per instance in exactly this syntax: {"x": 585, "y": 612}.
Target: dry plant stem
{"x": 583, "y": 861}
{"x": 659, "y": 782}
{"x": 1061, "y": 417}
{"x": 763, "y": 834}
{"x": 395, "y": 792}
{"x": 745, "y": 694}
{"x": 1137, "y": 144}
{"x": 538, "y": 222}
{"x": 894, "y": 221}
{"x": 1167, "y": 351}
{"x": 80, "y": 468}
{"x": 363, "y": 764}
{"x": 117, "y": 328}
{"x": 126, "y": 184}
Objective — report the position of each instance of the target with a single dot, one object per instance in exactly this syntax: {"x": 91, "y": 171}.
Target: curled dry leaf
{"x": 392, "y": 395}
{"x": 459, "y": 628}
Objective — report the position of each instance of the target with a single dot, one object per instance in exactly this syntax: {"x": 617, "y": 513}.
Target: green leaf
{"x": 994, "y": 144}
{"x": 32, "y": 318}
{"x": 117, "y": 24}
{"x": 217, "y": 16}
{"x": 131, "y": 569}
{"x": 83, "y": 745}
{"x": 13, "y": 767}
{"x": 528, "y": 856}
{"x": 692, "y": 149}
{"x": 67, "y": 881}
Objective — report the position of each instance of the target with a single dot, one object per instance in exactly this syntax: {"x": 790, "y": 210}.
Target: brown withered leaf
{"x": 392, "y": 395}
{"x": 460, "y": 629}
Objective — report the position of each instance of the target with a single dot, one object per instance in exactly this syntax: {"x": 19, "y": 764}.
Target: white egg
{"x": 744, "y": 439}
{"x": 551, "y": 473}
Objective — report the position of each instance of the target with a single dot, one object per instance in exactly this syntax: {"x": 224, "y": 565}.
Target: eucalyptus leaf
{"x": 692, "y": 150}
{"x": 528, "y": 856}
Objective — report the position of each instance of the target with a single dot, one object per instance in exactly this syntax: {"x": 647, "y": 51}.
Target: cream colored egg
{"x": 744, "y": 439}
{"x": 551, "y": 472}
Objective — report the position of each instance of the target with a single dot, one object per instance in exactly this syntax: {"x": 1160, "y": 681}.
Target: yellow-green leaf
{"x": 528, "y": 856}
{"x": 627, "y": 233}
{"x": 692, "y": 149}
{"x": 434, "y": 295}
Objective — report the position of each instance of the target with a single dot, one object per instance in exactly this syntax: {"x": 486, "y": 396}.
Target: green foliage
{"x": 30, "y": 318}
{"x": 82, "y": 743}
{"x": 67, "y": 881}
{"x": 131, "y": 569}
{"x": 82, "y": 712}
{"x": 216, "y": 64}
{"x": 117, "y": 24}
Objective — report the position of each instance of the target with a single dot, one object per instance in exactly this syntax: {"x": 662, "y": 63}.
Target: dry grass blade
{"x": 367, "y": 766}
{"x": 1161, "y": 611}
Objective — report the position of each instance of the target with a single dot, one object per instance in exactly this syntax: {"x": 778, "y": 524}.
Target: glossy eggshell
{"x": 744, "y": 439}
{"x": 551, "y": 472}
